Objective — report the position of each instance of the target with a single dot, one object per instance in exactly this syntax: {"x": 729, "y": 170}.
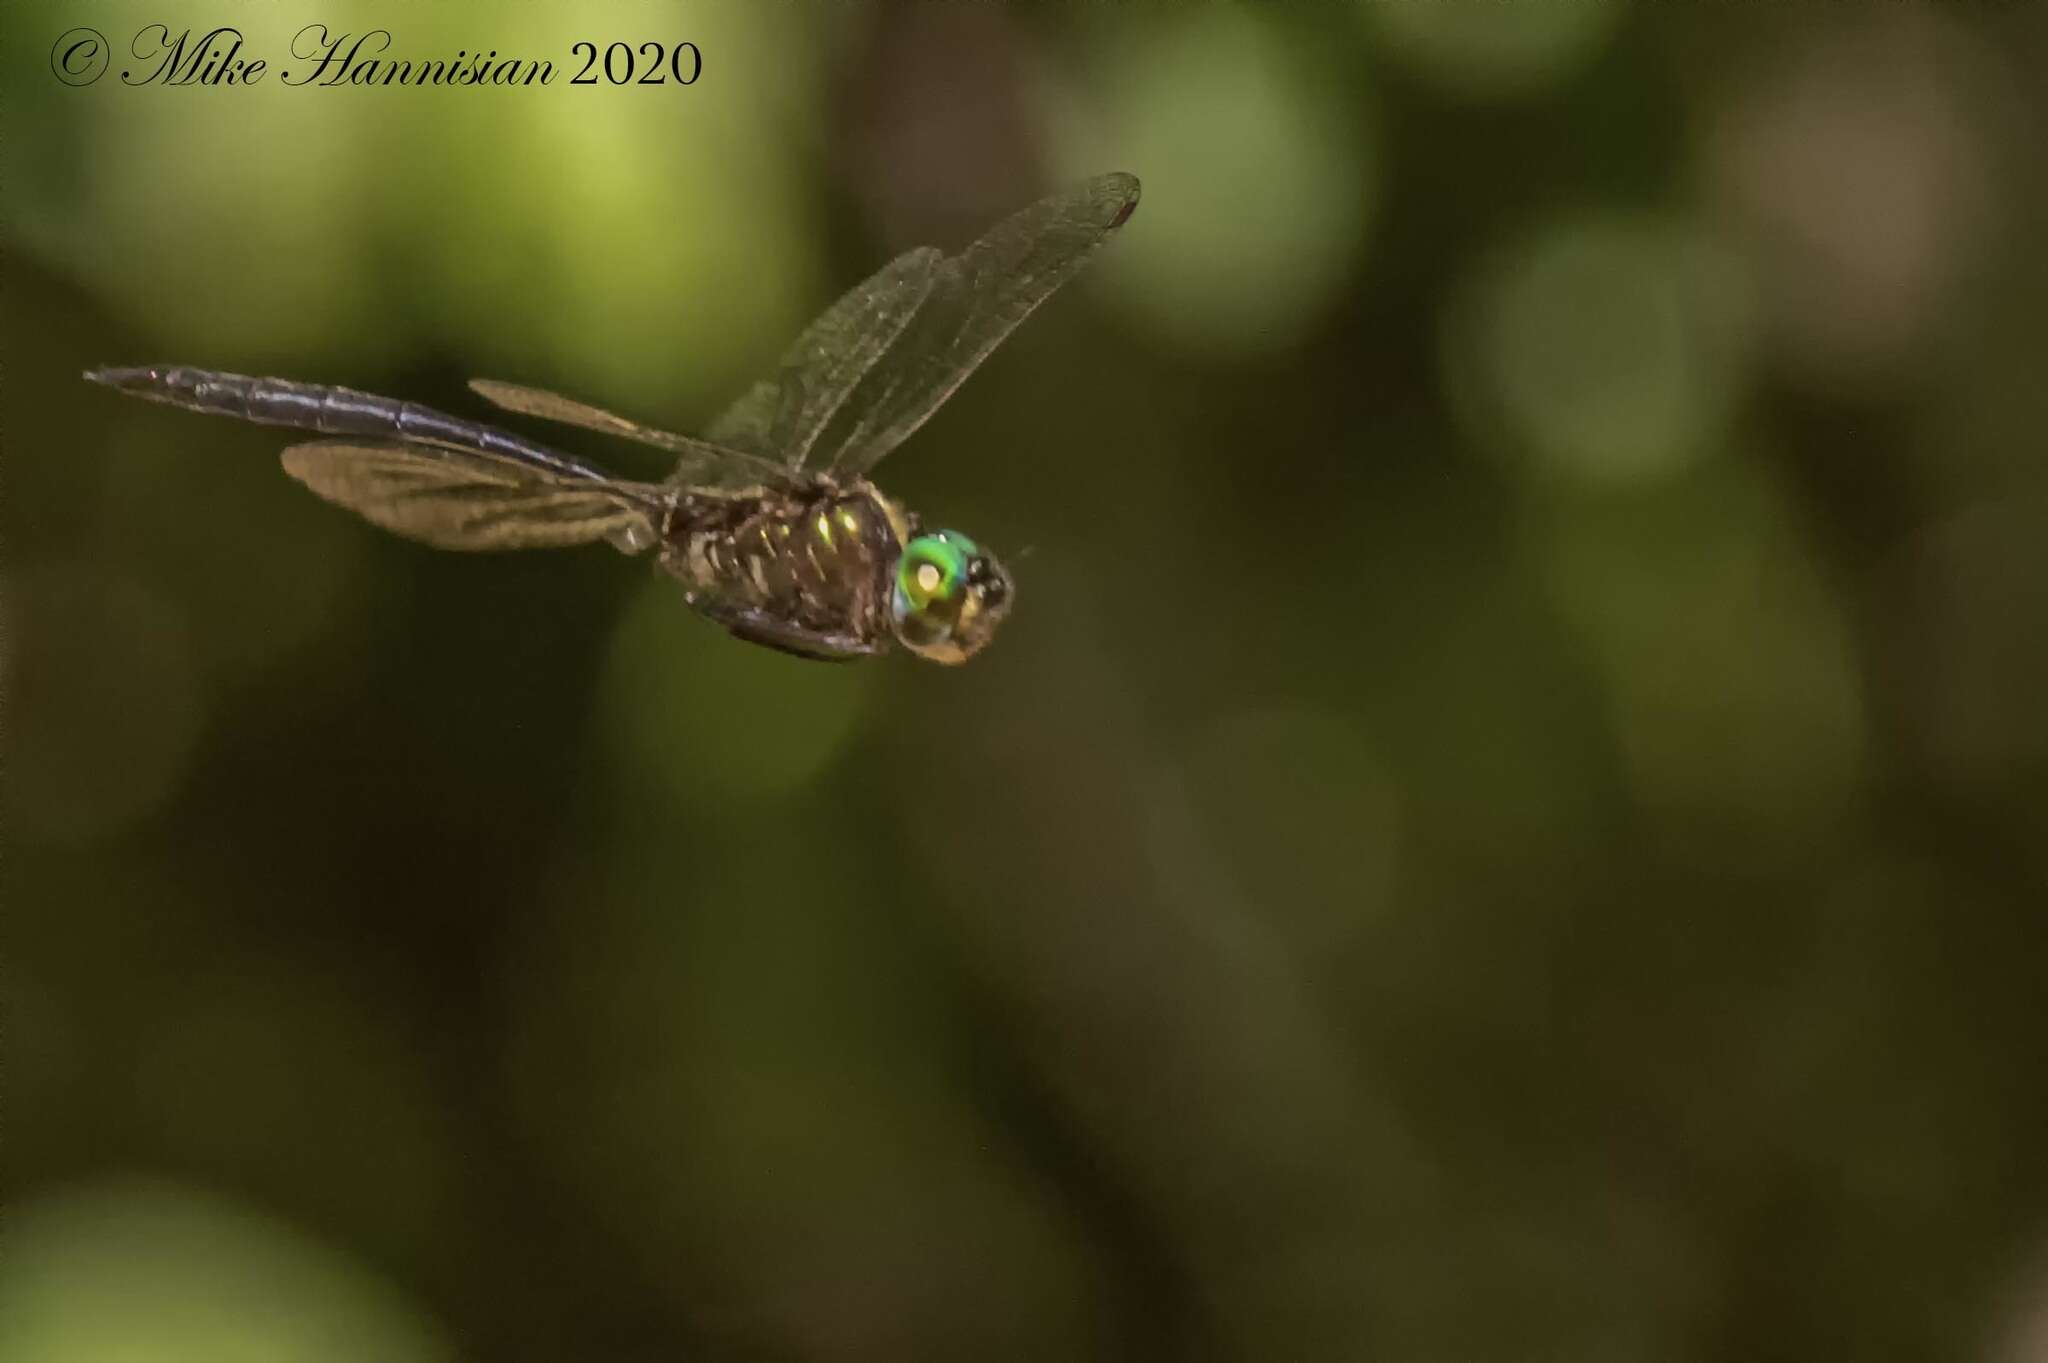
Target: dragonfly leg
{"x": 757, "y": 627}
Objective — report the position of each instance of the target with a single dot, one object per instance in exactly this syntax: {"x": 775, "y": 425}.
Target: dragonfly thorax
{"x": 817, "y": 560}
{"x": 839, "y": 564}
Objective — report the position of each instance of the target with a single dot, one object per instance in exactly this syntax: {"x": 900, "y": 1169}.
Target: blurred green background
{"x": 1507, "y": 822}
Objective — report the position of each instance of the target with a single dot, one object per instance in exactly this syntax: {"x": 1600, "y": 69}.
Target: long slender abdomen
{"x": 328, "y": 409}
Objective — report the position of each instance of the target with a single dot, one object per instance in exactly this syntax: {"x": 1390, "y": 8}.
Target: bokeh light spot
{"x": 1856, "y": 176}
{"x": 1259, "y": 181}
{"x": 1492, "y": 51}
{"x": 140, "y": 1271}
{"x": 1611, "y": 349}
{"x": 689, "y": 272}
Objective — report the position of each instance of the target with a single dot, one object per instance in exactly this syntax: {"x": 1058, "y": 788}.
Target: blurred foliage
{"x": 1507, "y": 822}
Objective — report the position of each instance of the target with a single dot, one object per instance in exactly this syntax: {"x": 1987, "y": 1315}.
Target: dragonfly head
{"x": 950, "y": 595}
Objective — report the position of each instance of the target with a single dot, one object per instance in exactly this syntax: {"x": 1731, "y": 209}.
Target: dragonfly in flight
{"x": 769, "y": 521}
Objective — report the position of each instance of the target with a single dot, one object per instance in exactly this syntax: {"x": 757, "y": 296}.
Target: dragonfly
{"x": 769, "y": 520}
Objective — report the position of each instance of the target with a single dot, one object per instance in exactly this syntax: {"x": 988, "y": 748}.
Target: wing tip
{"x": 1119, "y": 189}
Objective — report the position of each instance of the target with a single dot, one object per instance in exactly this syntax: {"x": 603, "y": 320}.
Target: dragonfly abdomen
{"x": 328, "y": 409}
{"x": 819, "y": 560}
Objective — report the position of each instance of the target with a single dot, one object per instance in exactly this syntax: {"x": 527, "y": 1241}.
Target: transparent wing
{"x": 976, "y": 299}
{"x": 458, "y": 499}
{"x": 700, "y": 463}
{"x": 781, "y": 418}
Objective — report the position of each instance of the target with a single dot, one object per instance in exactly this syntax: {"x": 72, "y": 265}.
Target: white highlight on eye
{"x": 928, "y": 577}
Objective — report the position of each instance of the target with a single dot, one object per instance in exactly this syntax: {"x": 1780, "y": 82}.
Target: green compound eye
{"x": 948, "y": 597}
{"x": 930, "y": 573}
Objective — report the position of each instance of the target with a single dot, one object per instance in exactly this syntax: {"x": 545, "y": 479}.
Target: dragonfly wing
{"x": 458, "y": 499}
{"x": 977, "y": 298}
{"x": 781, "y": 418}
{"x": 702, "y": 463}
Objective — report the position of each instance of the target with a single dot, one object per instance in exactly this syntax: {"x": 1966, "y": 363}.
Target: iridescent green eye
{"x": 948, "y": 596}
{"x": 930, "y": 574}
